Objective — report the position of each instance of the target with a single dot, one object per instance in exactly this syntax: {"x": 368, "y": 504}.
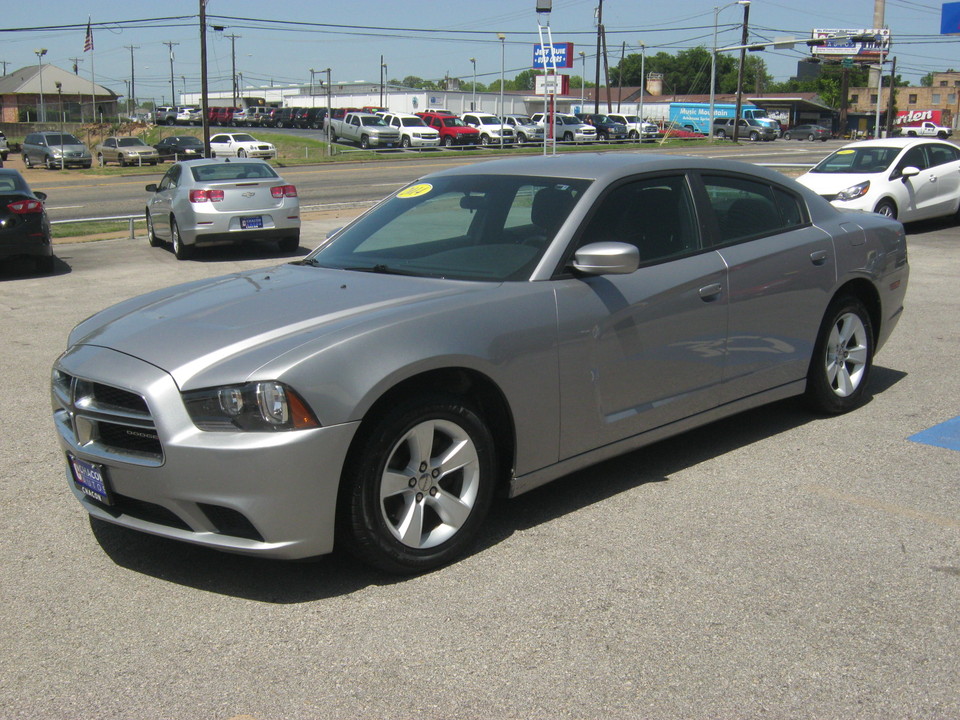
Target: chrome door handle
{"x": 709, "y": 293}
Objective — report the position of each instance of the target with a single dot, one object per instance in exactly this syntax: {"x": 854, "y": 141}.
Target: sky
{"x": 279, "y": 42}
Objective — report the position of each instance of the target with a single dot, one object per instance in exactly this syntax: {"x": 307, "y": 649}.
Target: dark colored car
{"x": 808, "y": 132}
{"x": 607, "y": 129}
{"x": 24, "y": 225}
{"x": 284, "y": 118}
{"x": 179, "y": 147}
{"x": 310, "y": 118}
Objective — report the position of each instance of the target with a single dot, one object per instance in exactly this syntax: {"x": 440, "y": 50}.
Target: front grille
{"x": 140, "y": 509}
{"x": 106, "y": 418}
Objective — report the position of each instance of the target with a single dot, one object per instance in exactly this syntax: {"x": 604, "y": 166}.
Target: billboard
{"x": 840, "y": 44}
{"x": 950, "y": 18}
{"x": 562, "y": 56}
{"x": 552, "y": 85}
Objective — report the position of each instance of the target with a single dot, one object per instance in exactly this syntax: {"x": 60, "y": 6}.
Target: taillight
{"x": 199, "y": 196}
{"x": 279, "y": 191}
{"x": 25, "y": 207}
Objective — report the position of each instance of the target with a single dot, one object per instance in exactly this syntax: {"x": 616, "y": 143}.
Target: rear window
{"x": 10, "y": 183}
{"x": 231, "y": 171}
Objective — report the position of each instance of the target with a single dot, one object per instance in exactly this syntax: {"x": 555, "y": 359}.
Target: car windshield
{"x": 377, "y": 121}
{"x": 858, "y": 160}
{"x": 65, "y": 139}
{"x": 243, "y": 137}
{"x": 631, "y": 118}
{"x": 187, "y": 141}
{"x": 523, "y": 120}
{"x": 453, "y": 122}
{"x": 490, "y": 228}
{"x": 567, "y": 120}
{"x": 412, "y": 122}
{"x": 130, "y": 142}
{"x": 488, "y": 120}
{"x": 212, "y": 172}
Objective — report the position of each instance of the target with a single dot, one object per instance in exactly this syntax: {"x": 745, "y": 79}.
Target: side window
{"x": 747, "y": 209}
{"x": 942, "y": 154}
{"x": 654, "y": 214}
{"x": 916, "y": 157}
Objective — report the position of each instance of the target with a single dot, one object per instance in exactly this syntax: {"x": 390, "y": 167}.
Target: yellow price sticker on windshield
{"x": 845, "y": 152}
{"x": 415, "y": 190}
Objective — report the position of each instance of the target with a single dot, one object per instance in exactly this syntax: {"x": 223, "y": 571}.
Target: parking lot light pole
{"x": 473, "y": 104}
{"x": 60, "y": 98}
{"x": 41, "y": 108}
{"x": 501, "y": 37}
{"x": 583, "y": 78}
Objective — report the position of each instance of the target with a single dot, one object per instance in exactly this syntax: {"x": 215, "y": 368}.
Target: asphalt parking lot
{"x": 775, "y": 564}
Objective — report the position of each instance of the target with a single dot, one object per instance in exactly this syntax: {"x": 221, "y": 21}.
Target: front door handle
{"x": 709, "y": 293}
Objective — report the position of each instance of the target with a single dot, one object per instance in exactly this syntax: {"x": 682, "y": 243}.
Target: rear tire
{"x": 180, "y": 249}
{"x": 289, "y": 244}
{"x": 418, "y": 485}
{"x": 842, "y": 357}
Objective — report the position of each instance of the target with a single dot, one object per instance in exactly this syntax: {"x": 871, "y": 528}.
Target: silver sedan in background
{"x": 208, "y": 202}
{"x": 484, "y": 330}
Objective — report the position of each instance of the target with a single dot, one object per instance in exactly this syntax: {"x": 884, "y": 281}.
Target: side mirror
{"x": 909, "y": 171}
{"x": 152, "y": 187}
{"x": 606, "y": 258}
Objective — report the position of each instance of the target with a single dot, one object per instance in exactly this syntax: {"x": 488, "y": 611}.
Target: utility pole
{"x": 596, "y": 89}
{"x": 743, "y": 60}
{"x": 76, "y": 65}
{"x": 891, "y": 100}
{"x": 133, "y": 88}
{"x": 233, "y": 65}
{"x": 173, "y": 89}
{"x": 204, "y": 104}
{"x": 4, "y": 63}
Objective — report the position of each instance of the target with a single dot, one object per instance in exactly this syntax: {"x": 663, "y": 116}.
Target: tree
{"x": 688, "y": 72}
{"x": 927, "y": 80}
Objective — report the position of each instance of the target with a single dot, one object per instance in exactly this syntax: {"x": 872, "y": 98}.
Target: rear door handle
{"x": 819, "y": 257}
{"x": 709, "y": 293}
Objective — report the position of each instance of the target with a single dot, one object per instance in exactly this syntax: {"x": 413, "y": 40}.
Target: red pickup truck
{"x": 453, "y": 130}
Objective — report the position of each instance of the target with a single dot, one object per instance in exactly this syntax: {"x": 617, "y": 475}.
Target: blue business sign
{"x": 562, "y": 56}
{"x": 950, "y": 18}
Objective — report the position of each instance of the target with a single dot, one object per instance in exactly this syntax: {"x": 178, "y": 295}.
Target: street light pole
{"x": 41, "y": 108}
{"x": 643, "y": 85}
{"x": 386, "y": 89}
{"x": 501, "y": 37}
{"x": 60, "y": 98}
{"x": 173, "y": 90}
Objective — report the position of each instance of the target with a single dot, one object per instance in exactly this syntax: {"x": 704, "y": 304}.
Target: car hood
{"x": 832, "y": 183}
{"x": 255, "y": 316}
{"x": 69, "y": 148}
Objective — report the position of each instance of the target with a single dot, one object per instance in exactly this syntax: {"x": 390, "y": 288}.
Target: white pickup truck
{"x": 927, "y": 129}
{"x": 367, "y": 129}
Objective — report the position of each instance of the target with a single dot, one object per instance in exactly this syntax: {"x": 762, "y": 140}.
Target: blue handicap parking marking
{"x": 945, "y": 435}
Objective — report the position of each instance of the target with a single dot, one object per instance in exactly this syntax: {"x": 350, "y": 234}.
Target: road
{"x": 774, "y": 564}
{"x": 74, "y": 195}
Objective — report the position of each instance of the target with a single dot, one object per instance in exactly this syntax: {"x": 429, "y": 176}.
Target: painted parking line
{"x": 945, "y": 435}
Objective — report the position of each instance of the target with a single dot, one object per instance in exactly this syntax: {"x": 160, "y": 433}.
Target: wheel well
{"x": 866, "y": 293}
{"x": 474, "y": 387}
{"x": 889, "y": 201}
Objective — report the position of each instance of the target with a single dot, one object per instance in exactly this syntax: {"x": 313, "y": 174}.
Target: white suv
{"x": 414, "y": 132}
{"x": 568, "y": 128}
{"x": 492, "y": 131}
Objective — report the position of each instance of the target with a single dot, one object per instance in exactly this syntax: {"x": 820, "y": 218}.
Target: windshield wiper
{"x": 380, "y": 269}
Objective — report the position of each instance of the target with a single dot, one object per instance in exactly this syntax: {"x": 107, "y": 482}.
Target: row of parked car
{"x": 381, "y": 128}
{"x": 241, "y": 117}
{"x": 55, "y": 150}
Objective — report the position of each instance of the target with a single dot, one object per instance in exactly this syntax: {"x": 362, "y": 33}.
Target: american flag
{"x": 88, "y": 41}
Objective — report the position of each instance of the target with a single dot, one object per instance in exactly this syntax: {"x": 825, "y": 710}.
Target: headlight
{"x": 854, "y": 191}
{"x": 57, "y": 152}
{"x": 256, "y": 406}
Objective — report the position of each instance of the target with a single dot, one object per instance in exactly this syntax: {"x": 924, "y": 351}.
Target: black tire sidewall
{"x": 819, "y": 393}
{"x": 361, "y": 526}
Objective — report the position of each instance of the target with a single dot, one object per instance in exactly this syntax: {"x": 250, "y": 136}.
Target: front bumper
{"x": 269, "y": 494}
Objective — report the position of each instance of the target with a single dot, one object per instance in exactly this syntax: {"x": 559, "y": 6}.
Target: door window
{"x": 747, "y": 209}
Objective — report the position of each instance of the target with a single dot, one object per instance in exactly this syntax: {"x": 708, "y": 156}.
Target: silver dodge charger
{"x": 484, "y": 330}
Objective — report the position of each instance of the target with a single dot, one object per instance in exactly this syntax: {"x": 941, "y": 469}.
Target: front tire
{"x": 568, "y": 137}
{"x": 447, "y": 141}
{"x": 100, "y": 160}
{"x": 27, "y": 163}
{"x": 811, "y": 137}
{"x": 842, "y": 357}
{"x": 722, "y": 134}
{"x": 241, "y": 153}
{"x": 786, "y": 136}
{"x": 886, "y": 208}
{"x": 420, "y": 481}
{"x": 405, "y": 142}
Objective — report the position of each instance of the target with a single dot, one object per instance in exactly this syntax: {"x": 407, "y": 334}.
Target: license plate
{"x": 91, "y": 479}
{"x": 251, "y": 223}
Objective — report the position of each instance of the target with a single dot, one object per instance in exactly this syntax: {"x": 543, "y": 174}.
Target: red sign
{"x": 907, "y": 118}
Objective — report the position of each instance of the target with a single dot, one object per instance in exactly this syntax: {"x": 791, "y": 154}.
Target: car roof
{"x": 608, "y": 166}
{"x": 891, "y": 142}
